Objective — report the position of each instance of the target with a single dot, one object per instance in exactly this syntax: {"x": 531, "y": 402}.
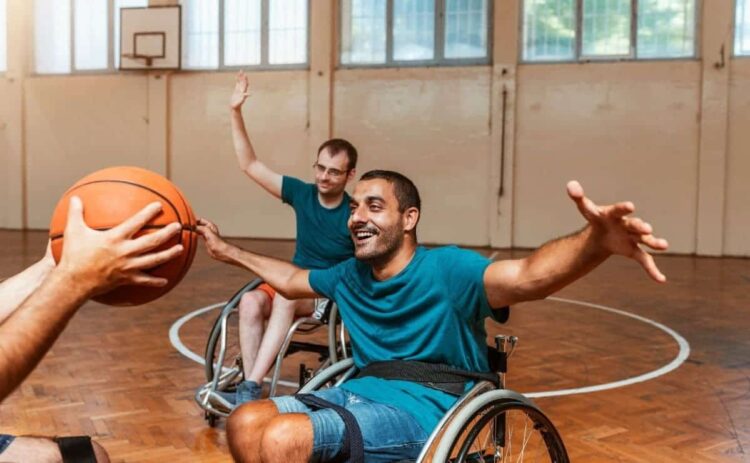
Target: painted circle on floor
{"x": 682, "y": 354}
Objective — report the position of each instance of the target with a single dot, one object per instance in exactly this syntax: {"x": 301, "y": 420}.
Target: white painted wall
{"x": 666, "y": 135}
{"x": 626, "y": 131}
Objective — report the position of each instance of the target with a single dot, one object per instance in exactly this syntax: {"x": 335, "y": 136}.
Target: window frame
{"x": 111, "y": 69}
{"x": 264, "y": 45}
{"x": 3, "y": 72}
{"x": 579, "y": 57}
{"x": 734, "y": 35}
{"x": 439, "y": 59}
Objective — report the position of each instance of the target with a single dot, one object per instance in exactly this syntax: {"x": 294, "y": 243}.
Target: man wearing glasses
{"x": 322, "y": 212}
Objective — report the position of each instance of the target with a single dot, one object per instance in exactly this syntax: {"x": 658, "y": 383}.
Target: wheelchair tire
{"x": 212, "y": 345}
{"x": 501, "y": 423}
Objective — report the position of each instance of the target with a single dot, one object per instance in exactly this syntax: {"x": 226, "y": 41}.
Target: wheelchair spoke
{"x": 508, "y": 433}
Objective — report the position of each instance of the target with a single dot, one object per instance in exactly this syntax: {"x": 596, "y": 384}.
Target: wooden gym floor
{"x": 114, "y": 374}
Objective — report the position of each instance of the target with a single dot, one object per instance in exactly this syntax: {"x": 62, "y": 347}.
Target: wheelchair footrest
{"x": 300, "y": 346}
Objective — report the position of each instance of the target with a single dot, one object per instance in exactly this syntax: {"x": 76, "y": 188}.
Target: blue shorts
{"x": 388, "y": 433}
{"x": 5, "y": 441}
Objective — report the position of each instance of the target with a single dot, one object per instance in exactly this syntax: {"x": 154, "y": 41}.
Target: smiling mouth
{"x": 363, "y": 236}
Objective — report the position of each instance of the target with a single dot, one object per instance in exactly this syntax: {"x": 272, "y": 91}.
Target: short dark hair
{"x": 337, "y": 145}
{"x": 405, "y": 190}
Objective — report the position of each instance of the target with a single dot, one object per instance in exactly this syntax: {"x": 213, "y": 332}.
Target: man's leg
{"x": 254, "y": 309}
{"x": 247, "y": 427}
{"x": 42, "y": 450}
{"x": 291, "y": 431}
{"x": 281, "y": 319}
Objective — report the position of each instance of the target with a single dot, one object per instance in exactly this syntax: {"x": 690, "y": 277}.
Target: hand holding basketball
{"x": 116, "y": 215}
{"x": 102, "y": 260}
{"x": 215, "y": 244}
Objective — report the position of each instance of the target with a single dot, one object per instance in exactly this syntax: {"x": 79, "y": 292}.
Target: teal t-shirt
{"x": 323, "y": 238}
{"x": 431, "y": 311}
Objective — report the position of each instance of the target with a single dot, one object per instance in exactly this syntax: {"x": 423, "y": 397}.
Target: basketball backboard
{"x": 150, "y": 38}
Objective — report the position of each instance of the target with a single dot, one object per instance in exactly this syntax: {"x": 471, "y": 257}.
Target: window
{"x": 74, "y": 35}
{"x": 246, "y": 33}
{"x": 569, "y": 30}
{"x": 414, "y": 32}
{"x": 3, "y": 37}
{"x": 742, "y": 28}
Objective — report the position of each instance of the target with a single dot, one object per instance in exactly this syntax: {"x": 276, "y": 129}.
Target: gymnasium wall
{"x": 669, "y": 135}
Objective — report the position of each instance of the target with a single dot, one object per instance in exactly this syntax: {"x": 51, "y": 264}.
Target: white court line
{"x": 682, "y": 355}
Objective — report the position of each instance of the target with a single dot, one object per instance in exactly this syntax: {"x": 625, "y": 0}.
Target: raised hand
{"x": 618, "y": 233}
{"x": 241, "y": 89}
{"x": 102, "y": 260}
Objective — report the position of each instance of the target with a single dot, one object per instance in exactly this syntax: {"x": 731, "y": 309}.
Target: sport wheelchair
{"x": 487, "y": 424}
{"x": 223, "y": 362}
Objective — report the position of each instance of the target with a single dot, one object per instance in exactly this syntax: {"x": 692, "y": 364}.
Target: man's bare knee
{"x": 287, "y": 438}
{"x": 101, "y": 454}
{"x": 252, "y": 305}
{"x": 32, "y": 449}
{"x": 245, "y": 426}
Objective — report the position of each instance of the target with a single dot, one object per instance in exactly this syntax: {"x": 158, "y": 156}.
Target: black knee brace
{"x": 76, "y": 449}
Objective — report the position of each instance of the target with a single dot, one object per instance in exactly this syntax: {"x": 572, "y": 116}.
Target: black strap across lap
{"x": 433, "y": 375}
{"x": 353, "y": 447}
{"x": 76, "y": 449}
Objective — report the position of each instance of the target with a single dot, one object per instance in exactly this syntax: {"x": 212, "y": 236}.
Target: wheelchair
{"x": 487, "y": 424}
{"x": 223, "y": 362}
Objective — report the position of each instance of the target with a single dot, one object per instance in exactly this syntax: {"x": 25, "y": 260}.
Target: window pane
{"x": 241, "y": 32}
{"x": 3, "y": 37}
{"x": 118, "y": 5}
{"x": 287, "y": 31}
{"x": 200, "y": 24}
{"x": 363, "y": 31}
{"x": 91, "y": 38}
{"x": 466, "y": 29}
{"x": 549, "y": 30}
{"x": 666, "y": 28}
{"x": 606, "y": 28}
{"x": 52, "y": 36}
{"x": 413, "y": 29}
{"x": 742, "y": 28}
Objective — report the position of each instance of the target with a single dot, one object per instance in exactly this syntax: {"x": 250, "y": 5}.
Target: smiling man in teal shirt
{"x": 400, "y": 302}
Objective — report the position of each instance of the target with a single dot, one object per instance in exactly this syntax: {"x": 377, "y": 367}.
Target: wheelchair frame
{"x": 220, "y": 377}
{"x": 466, "y": 413}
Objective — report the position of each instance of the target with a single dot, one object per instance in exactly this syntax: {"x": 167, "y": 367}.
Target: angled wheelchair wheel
{"x": 501, "y": 426}
{"x": 225, "y": 334}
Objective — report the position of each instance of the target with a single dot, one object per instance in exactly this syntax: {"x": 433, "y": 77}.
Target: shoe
{"x": 246, "y": 391}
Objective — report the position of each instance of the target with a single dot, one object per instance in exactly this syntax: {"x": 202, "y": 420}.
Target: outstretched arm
{"x": 93, "y": 262}
{"x": 17, "y": 288}
{"x": 558, "y": 263}
{"x": 248, "y": 162}
{"x": 289, "y": 280}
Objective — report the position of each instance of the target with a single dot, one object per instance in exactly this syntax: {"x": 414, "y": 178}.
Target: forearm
{"x": 289, "y": 280}
{"x": 17, "y": 288}
{"x": 32, "y": 329}
{"x": 560, "y": 262}
{"x": 243, "y": 148}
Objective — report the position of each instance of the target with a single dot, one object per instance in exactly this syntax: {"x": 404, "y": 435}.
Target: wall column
{"x": 716, "y": 51}
{"x": 320, "y": 77}
{"x": 502, "y": 121}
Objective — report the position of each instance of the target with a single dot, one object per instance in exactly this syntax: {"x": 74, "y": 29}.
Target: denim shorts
{"x": 389, "y": 434}
{"x": 5, "y": 441}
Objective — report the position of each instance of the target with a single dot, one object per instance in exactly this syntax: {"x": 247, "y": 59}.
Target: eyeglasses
{"x": 335, "y": 173}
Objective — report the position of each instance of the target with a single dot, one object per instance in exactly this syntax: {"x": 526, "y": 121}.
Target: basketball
{"x": 112, "y": 195}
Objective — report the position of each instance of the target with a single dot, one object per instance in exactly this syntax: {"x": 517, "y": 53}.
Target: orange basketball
{"x": 112, "y": 195}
